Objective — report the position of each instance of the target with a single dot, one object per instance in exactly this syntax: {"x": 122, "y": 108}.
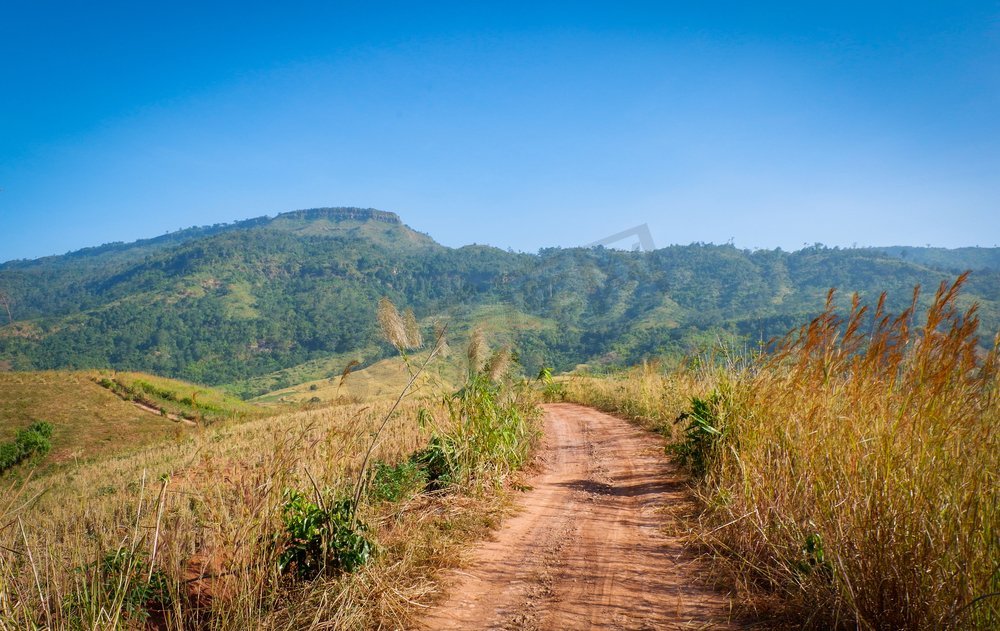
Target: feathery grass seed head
{"x": 414, "y": 338}
{"x": 499, "y": 363}
{"x": 392, "y": 325}
{"x": 478, "y": 350}
{"x": 444, "y": 350}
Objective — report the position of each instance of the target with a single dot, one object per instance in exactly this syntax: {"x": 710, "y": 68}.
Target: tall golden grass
{"x": 188, "y": 534}
{"x": 203, "y": 511}
{"x": 852, "y": 477}
{"x": 646, "y": 394}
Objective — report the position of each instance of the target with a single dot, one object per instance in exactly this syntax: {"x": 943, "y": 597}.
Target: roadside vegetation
{"x": 849, "y": 475}
{"x": 335, "y": 516}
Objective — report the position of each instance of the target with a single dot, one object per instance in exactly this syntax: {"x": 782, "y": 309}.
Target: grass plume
{"x": 477, "y": 350}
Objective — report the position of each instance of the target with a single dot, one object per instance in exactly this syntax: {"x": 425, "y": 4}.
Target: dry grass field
{"x": 335, "y": 513}
{"x": 383, "y": 379}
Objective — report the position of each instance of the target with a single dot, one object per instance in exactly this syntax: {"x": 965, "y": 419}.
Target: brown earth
{"x": 590, "y": 547}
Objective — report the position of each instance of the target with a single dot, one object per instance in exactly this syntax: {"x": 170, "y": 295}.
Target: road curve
{"x": 588, "y": 548}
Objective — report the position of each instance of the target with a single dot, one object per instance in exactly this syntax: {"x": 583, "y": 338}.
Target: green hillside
{"x": 267, "y": 303}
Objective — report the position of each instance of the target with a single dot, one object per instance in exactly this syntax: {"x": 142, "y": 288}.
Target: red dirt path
{"x": 588, "y": 548}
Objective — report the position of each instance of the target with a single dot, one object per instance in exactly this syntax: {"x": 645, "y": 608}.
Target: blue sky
{"x": 518, "y": 125}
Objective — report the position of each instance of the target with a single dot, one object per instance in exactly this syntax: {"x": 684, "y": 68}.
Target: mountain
{"x": 260, "y": 303}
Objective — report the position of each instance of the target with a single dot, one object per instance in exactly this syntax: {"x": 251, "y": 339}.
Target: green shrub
{"x": 319, "y": 539}
{"x": 492, "y": 431}
{"x": 438, "y": 461}
{"x": 551, "y": 390}
{"x": 35, "y": 439}
{"x": 10, "y": 455}
{"x": 393, "y": 483}
{"x": 30, "y": 441}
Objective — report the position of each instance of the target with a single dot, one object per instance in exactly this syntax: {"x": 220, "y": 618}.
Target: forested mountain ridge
{"x": 954, "y": 260}
{"x": 225, "y": 303}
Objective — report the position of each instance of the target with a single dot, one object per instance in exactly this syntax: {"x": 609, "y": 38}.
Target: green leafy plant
{"x": 319, "y": 539}
{"x": 813, "y": 559}
{"x": 551, "y": 390}
{"x": 701, "y": 435}
{"x": 438, "y": 461}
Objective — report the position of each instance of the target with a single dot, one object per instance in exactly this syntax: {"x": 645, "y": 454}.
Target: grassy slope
{"x": 383, "y": 379}
{"x": 87, "y": 419}
{"x": 90, "y": 421}
{"x": 501, "y": 323}
{"x": 314, "y": 370}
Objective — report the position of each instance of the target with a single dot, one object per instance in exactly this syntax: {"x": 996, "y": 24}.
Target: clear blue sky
{"x": 520, "y": 125}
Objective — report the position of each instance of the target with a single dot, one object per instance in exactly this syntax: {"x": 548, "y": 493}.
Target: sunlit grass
{"x": 853, "y": 478}
{"x": 88, "y": 420}
{"x": 193, "y": 532}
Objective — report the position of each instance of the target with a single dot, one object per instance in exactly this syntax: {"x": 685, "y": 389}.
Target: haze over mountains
{"x": 232, "y": 303}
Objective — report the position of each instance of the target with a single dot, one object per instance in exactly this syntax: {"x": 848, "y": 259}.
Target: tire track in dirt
{"x": 588, "y": 548}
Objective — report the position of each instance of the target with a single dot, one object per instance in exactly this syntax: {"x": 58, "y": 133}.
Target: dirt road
{"x": 588, "y": 548}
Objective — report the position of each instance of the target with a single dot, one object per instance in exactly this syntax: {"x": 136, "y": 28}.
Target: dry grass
{"x": 187, "y": 533}
{"x": 854, "y": 478}
{"x": 645, "y": 394}
{"x": 383, "y": 379}
{"x": 212, "y": 502}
